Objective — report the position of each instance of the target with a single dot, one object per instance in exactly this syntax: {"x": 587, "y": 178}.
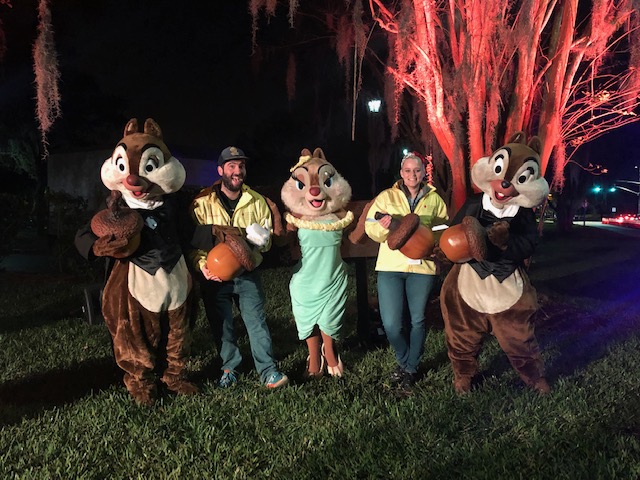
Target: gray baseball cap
{"x": 231, "y": 153}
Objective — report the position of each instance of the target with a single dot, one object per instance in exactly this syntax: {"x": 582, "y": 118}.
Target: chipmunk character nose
{"x": 315, "y": 191}
{"x": 505, "y": 184}
{"x": 134, "y": 180}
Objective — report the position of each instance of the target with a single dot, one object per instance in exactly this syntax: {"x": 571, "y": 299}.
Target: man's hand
{"x": 258, "y": 235}
{"x": 208, "y": 275}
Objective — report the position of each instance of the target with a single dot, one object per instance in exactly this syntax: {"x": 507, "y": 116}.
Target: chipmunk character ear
{"x": 511, "y": 174}
{"x": 535, "y": 144}
{"x": 318, "y": 153}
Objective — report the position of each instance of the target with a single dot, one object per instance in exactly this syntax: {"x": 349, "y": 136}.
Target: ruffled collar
{"x": 320, "y": 225}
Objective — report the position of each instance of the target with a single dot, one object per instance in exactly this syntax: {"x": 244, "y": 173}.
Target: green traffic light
{"x": 597, "y": 189}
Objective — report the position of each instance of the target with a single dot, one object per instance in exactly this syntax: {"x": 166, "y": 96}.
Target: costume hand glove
{"x": 117, "y": 247}
{"x": 220, "y": 232}
{"x": 257, "y": 235}
{"x": 439, "y": 256}
{"x": 498, "y": 234}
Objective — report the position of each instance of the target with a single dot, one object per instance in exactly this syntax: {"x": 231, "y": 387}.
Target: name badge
{"x": 151, "y": 223}
{"x": 411, "y": 261}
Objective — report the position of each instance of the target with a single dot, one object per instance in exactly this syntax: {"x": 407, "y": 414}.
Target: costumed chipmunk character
{"x": 147, "y": 297}
{"x": 316, "y": 196}
{"x": 490, "y": 291}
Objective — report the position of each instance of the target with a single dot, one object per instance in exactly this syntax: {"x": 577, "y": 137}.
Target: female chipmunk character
{"x": 315, "y": 196}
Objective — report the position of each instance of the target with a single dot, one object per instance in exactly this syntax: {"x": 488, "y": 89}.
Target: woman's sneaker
{"x": 408, "y": 380}
{"x": 397, "y": 375}
{"x": 276, "y": 379}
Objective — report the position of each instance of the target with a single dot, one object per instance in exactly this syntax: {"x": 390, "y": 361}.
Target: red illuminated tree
{"x": 567, "y": 70}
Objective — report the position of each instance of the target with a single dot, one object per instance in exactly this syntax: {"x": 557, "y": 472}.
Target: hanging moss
{"x": 45, "y": 66}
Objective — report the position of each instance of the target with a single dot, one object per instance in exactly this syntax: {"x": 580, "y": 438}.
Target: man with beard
{"x": 230, "y": 204}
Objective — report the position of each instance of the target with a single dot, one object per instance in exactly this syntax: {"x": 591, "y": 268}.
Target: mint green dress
{"x": 319, "y": 284}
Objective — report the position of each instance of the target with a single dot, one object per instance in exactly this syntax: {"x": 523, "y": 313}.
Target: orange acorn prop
{"x": 465, "y": 241}
{"x": 408, "y": 235}
{"x": 230, "y": 258}
{"x": 118, "y": 221}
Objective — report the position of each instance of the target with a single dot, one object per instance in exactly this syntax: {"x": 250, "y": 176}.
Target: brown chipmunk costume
{"x": 492, "y": 292}
{"x": 147, "y": 297}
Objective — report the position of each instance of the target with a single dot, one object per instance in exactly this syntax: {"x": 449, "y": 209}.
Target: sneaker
{"x": 397, "y": 375}
{"x": 408, "y": 380}
{"x": 228, "y": 379}
{"x": 276, "y": 379}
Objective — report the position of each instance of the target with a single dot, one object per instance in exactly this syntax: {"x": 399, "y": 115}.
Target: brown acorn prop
{"x": 409, "y": 236}
{"x": 230, "y": 258}
{"x": 118, "y": 223}
{"x": 465, "y": 241}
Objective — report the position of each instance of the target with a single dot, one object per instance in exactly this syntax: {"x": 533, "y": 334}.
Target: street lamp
{"x": 633, "y": 182}
{"x": 374, "y": 105}
{"x": 638, "y": 168}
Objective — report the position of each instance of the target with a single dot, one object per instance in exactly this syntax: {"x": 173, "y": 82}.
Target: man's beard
{"x": 228, "y": 183}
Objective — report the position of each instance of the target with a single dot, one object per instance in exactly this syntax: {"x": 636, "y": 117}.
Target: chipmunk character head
{"x": 315, "y": 189}
{"x": 141, "y": 166}
{"x": 511, "y": 175}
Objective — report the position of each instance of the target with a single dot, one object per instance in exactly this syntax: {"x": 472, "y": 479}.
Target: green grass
{"x": 64, "y": 412}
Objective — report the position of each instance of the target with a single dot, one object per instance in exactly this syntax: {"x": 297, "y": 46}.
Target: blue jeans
{"x": 218, "y": 303}
{"x": 407, "y": 338}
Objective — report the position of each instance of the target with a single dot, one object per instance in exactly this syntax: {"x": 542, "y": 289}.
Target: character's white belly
{"x": 162, "y": 291}
{"x": 489, "y": 295}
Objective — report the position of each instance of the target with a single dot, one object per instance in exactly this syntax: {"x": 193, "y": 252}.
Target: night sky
{"x": 191, "y": 68}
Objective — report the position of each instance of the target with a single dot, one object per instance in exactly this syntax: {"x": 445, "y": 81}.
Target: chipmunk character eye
{"x": 299, "y": 183}
{"x": 121, "y": 164}
{"x": 499, "y": 160}
{"x": 327, "y": 172}
{"x": 120, "y": 159}
{"x": 528, "y": 174}
{"x": 151, "y": 160}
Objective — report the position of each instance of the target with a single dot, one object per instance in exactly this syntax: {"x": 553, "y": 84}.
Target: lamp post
{"x": 638, "y": 168}
{"x": 631, "y": 190}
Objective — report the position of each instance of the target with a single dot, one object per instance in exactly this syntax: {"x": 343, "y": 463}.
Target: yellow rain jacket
{"x": 207, "y": 209}
{"x": 430, "y": 208}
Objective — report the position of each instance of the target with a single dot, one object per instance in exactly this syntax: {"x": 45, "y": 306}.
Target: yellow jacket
{"x": 207, "y": 209}
{"x": 430, "y": 208}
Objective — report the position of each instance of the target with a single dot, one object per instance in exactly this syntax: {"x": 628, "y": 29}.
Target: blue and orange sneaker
{"x": 276, "y": 379}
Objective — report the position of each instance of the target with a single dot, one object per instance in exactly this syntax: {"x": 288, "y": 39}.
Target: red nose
{"x": 315, "y": 191}
{"x": 133, "y": 180}
{"x": 134, "y": 183}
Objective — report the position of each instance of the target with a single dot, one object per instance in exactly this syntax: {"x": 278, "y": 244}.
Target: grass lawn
{"x": 64, "y": 412}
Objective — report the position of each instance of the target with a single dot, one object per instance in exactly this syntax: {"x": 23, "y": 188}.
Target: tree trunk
{"x": 564, "y": 219}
